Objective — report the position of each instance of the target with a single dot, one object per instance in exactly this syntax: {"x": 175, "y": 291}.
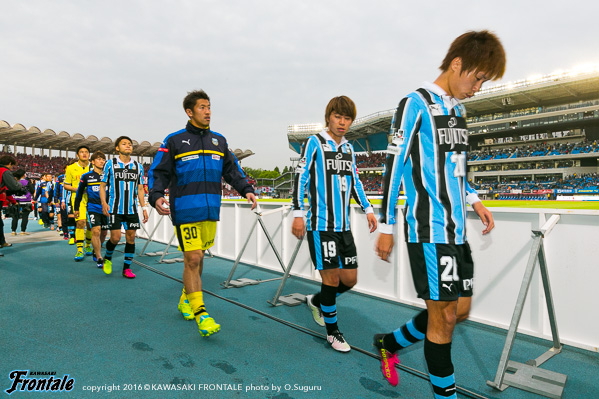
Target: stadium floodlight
{"x": 578, "y": 70}
{"x": 305, "y": 128}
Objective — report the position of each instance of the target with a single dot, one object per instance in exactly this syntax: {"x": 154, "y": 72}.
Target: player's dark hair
{"x": 480, "y": 51}
{"x": 83, "y": 146}
{"x": 19, "y": 173}
{"x": 97, "y": 154}
{"x": 192, "y": 98}
{"x": 342, "y": 105}
{"x": 7, "y": 159}
{"x": 118, "y": 141}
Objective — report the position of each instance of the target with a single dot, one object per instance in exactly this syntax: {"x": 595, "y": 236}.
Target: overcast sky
{"x": 110, "y": 68}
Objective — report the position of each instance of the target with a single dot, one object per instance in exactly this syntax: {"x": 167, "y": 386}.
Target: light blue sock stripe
{"x": 442, "y": 382}
{"x": 454, "y": 396}
{"x": 414, "y": 331}
{"x": 400, "y": 339}
{"x": 328, "y": 309}
{"x": 330, "y": 320}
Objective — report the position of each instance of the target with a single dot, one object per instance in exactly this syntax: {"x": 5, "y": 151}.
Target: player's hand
{"x": 63, "y": 206}
{"x": 384, "y": 246}
{"x": 106, "y": 209}
{"x": 485, "y": 216}
{"x": 145, "y": 220}
{"x": 76, "y": 214}
{"x": 252, "y": 198}
{"x": 162, "y": 206}
{"x": 298, "y": 228}
{"x": 371, "y": 221}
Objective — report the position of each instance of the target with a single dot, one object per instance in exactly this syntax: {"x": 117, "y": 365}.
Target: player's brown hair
{"x": 97, "y": 154}
{"x": 479, "y": 51}
{"x": 342, "y": 105}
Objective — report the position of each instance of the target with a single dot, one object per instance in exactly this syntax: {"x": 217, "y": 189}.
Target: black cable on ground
{"x": 313, "y": 333}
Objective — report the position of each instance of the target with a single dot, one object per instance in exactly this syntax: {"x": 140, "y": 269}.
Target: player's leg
{"x": 194, "y": 240}
{"x": 87, "y": 232}
{"x": 437, "y": 347}
{"x": 114, "y": 225}
{"x": 51, "y": 215}
{"x": 64, "y": 216}
{"x": 58, "y": 219}
{"x": 129, "y": 251}
{"x": 96, "y": 230}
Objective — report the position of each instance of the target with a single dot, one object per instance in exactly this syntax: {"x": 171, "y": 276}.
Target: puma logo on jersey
{"x": 449, "y": 287}
{"x": 186, "y": 141}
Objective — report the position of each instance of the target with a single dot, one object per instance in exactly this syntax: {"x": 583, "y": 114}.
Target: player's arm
{"x": 483, "y": 213}
{"x": 159, "y": 177}
{"x": 141, "y": 193}
{"x": 302, "y": 175}
{"x": 404, "y": 126}
{"x": 81, "y": 189}
{"x": 68, "y": 180}
{"x": 104, "y": 179}
{"x": 233, "y": 174}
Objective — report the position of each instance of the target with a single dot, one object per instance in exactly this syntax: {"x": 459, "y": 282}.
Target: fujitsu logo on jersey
{"x": 453, "y": 136}
{"x": 125, "y": 175}
{"x": 339, "y": 165}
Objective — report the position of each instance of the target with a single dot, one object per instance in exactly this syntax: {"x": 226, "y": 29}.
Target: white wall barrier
{"x": 500, "y": 259}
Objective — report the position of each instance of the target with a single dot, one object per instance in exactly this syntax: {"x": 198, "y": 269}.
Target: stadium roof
{"x": 546, "y": 90}
{"x": 369, "y": 133}
{"x": 48, "y": 139}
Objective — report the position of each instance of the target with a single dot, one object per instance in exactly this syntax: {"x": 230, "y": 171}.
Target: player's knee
{"x": 462, "y": 316}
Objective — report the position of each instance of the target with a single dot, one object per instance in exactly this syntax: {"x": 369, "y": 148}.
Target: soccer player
{"x": 61, "y": 208}
{"x": 72, "y": 177}
{"x": 191, "y": 163}
{"x": 428, "y": 150}
{"x": 43, "y": 196}
{"x": 328, "y": 168}
{"x": 124, "y": 176}
{"x": 89, "y": 191}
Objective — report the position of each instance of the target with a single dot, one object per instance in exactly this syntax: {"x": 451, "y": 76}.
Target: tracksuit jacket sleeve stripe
{"x": 159, "y": 175}
{"x": 302, "y": 173}
{"x": 404, "y": 127}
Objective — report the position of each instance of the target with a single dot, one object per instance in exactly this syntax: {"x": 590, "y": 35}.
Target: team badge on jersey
{"x": 215, "y": 142}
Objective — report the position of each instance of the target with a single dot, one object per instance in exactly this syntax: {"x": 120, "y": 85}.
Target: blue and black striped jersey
{"x": 428, "y": 150}
{"x": 123, "y": 180}
{"x": 330, "y": 173}
{"x": 44, "y": 192}
{"x": 89, "y": 186}
{"x": 58, "y": 189}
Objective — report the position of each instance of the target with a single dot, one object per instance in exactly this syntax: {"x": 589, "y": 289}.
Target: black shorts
{"x": 95, "y": 219}
{"x": 129, "y": 222}
{"x": 332, "y": 250}
{"x": 441, "y": 272}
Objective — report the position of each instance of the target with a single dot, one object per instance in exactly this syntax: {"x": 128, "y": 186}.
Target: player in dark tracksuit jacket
{"x": 191, "y": 163}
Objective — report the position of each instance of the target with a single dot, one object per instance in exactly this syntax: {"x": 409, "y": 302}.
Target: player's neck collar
{"x": 196, "y": 130}
{"x": 325, "y": 133}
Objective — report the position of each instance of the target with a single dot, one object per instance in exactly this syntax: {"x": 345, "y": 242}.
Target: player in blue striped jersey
{"x": 428, "y": 152}
{"x": 328, "y": 168}
{"x": 123, "y": 176}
